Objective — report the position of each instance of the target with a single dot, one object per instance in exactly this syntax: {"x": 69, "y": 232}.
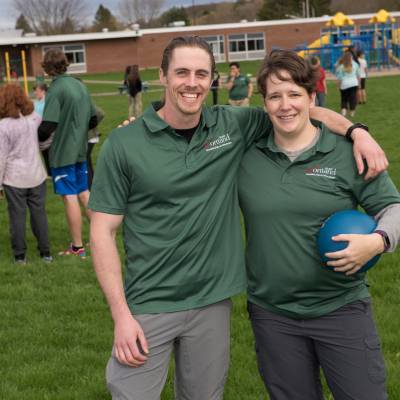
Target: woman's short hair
{"x": 279, "y": 62}
{"x": 14, "y": 102}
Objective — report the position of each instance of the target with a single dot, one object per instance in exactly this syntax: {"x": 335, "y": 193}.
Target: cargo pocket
{"x": 375, "y": 362}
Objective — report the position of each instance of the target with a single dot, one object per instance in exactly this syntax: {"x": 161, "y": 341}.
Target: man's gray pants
{"x": 344, "y": 343}
{"x": 18, "y": 200}
{"x": 198, "y": 338}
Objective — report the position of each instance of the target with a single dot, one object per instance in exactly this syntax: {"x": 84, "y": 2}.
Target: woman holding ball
{"x": 304, "y": 316}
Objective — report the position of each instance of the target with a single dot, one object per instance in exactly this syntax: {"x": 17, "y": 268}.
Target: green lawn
{"x": 151, "y": 74}
{"x": 56, "y": 332}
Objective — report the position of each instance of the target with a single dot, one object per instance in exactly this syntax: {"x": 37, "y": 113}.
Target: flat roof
{"x": 4, "y": 40}
{"x": 73, "y": 37}
{"x": 235, "y": 25}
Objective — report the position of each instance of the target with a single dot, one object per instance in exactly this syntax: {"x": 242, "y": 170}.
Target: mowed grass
{"x": 55, "y": 329}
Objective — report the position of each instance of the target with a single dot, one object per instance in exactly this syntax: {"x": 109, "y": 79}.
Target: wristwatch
{"x": 385, "y": 237}
{"x": 351, "y": 129}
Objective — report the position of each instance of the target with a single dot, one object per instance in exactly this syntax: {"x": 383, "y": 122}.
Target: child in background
{"x": 134, "y": 84}
{"x": 321, "y": 88}
{"x": 40, "y": 90}
{"x": 348, "y": 74}
{"x": 362, "y": 93}
{"x": 93, "y": 138}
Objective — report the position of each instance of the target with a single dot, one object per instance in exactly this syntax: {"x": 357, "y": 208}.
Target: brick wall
{"x": 109, "y": 55}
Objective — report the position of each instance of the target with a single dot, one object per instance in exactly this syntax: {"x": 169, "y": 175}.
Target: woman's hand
{"x": 360, "y": 250}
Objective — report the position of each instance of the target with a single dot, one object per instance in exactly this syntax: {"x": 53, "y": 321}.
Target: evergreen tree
{"x": 174, "y": 14}
{"x": 23, "y": 24}
{"x": 104, "y": 19}
{"x": 292, "y": 8}
{"x": 320, "y": 7}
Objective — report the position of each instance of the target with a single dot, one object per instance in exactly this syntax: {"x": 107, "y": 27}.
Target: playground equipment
{"x": 380, "y": 41}
{"x": 24, "y": 71}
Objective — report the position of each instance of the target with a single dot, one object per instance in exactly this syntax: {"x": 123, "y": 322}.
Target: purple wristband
{"x": 386, "y": 241}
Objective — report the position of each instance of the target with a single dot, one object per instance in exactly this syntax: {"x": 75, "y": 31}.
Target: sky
{"x": 8, "y": 15}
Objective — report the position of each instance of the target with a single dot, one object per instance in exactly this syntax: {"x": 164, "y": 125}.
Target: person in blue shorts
{"x": 68, "y": 115}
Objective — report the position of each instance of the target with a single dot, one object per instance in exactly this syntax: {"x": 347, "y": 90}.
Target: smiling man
{"x": 170, "y": 178}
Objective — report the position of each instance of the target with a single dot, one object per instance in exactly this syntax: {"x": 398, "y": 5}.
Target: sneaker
{"x": 70, "y": 251}
{"x": 46, "y": 258}
{"x": 21, "y": 259}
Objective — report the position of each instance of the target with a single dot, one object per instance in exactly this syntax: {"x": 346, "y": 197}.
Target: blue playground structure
{"x": 380, "y": 42}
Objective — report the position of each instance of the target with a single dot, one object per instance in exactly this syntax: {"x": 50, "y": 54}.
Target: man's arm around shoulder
{"x": 365, "y": 147}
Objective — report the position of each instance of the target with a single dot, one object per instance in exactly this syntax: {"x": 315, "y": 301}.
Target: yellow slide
{"x": 324, "y": 40}
{"x": 396, "y": 40}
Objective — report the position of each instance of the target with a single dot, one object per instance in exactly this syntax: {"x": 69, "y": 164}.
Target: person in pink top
{"x": 22, "y": 173}
{"x": 321, "y": 89}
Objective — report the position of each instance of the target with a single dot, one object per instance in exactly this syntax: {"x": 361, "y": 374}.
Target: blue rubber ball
{"x": 347, "y": 221}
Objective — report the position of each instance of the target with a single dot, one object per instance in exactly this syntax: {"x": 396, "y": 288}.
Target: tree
{"x": 292, "y": 8}
{"x": 104, "y": 19}
{"x": 23, "y": 24}
{"x": 365, "y": 6}
{"x": 50, "y": 17}
{"x": 272, "y": 9}
{"x": 320, "y": 7}
{"x": 139, "y": 11}
{"x": 174, "y": 14}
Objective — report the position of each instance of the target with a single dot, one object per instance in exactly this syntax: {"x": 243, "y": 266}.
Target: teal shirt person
{"x": 348, "y": 79}
{"x": 240, "y": 88}
{"x": 39, "y": 106}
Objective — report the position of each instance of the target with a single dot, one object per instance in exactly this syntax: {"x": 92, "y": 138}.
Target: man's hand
{"x": 360, "y": 250}
{"x": 130, "y": 344}
{"x": 365, "y": 147}
{"x": 126, "y": 122}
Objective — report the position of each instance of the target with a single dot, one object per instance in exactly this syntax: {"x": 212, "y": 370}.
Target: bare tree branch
{"x": 139, "y": 10}
{"x": 49, "y": 17}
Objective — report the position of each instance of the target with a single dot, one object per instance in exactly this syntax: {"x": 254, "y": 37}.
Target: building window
{"x": 246, "y": 46}
{"x": 217, "y": 46}
{"x": 75, "y": 54}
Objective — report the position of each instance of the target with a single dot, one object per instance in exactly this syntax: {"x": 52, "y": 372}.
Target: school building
{"x": 113, "y": 51}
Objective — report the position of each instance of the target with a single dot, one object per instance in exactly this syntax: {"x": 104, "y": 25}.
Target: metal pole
{"x": 24, "y": 72}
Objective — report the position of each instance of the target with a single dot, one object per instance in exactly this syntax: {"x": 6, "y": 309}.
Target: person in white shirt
{"x": 22, "y": 173}
{"x": 362, "y": 93}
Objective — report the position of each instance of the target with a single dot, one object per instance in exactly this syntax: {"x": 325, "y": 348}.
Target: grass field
{"x": 55, "y": 328}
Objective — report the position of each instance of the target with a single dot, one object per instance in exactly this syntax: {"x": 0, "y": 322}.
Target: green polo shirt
{"x": 68, "y": 103}
{"x": 284, "y": 205}
{"x": 181, "y": 223}
{"x": 240, "y": 88}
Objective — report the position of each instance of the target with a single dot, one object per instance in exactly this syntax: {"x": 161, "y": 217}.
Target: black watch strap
{"x": 351, "y": 129}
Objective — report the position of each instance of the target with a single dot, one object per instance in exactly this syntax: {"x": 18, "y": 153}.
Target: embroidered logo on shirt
{"x": 220, "y": 141}
{"x": 325, "y": 172}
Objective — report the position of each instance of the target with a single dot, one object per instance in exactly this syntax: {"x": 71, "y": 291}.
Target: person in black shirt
{"x": 134, "y": 85}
